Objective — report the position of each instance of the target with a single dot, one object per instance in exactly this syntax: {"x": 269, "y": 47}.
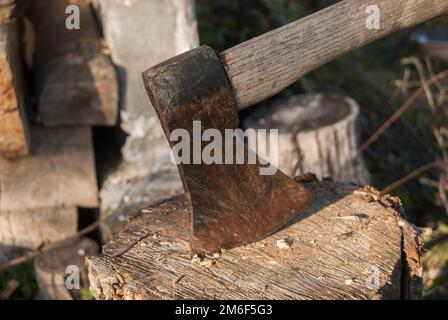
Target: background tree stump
{"x": 51, "y": 268}
{"x": 58, "y": 172}
{"x": 335, "y": 249}
{"x": 317, "y": 133}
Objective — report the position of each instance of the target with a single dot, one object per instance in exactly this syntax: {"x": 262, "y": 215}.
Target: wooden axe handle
{"x": 265, "y": 65}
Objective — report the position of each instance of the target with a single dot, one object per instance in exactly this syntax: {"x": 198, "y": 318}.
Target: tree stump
{"x": 317, "y": 133}
{"x": 350, "y": 243}
{"x": 51, "y": 270}
{"x": 76, "y": 82}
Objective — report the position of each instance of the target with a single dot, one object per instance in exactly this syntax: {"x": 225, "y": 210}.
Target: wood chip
{"x": 283, "y": 244}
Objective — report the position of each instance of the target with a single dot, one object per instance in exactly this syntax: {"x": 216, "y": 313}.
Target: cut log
{"x": 146, "y": 173}
{"x": 14, "y": 140}
{"x": 75, "y": 81}
{"x": 54, "y": 266}
{"x": 59, "y": 172}
{"x": 11, "y": 10}
{"x": 316, "y": 133}
{"x": 29, "y": 229}
{"x": 350, "y": 243}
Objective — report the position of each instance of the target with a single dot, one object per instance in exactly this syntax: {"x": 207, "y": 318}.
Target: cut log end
{"x": 20, "y": 229}
{"x": 316, "y": 133}
{"x": 350, "y": 243}
{"x": 59, "y": 172}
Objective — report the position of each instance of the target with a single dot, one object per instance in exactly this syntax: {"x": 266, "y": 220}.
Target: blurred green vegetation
{"x": 436, "y": 265}
{"x": 24, "y": 274}
{"x": 86, "y": 294}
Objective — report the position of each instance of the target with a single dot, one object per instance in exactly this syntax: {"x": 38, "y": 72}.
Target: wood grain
{"x": 327, "y": 256}
{"x": 265, "y": 65}
{"x": 31, "y": 228}
{"x": 59, "y": 172}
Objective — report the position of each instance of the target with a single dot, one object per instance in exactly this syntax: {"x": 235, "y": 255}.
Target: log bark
{"x": 347, "y": 238}
{"x": 75, "y": 81}
{"x": 316, "y": 133}
{"x": 14, "y": 135}
{"x": 59, "y": 172}
{"x": 29, "y": 229}
{"x": 51, "y": 270}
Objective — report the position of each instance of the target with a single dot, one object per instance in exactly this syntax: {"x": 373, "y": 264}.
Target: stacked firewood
{"x": 58, "y": 80}
{"x": 47, "y": 163}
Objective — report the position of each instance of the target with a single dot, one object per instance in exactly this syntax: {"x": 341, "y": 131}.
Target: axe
{"x": 232, "y": 204}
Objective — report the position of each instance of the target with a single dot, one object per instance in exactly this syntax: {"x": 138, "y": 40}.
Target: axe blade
{"x": 230, "y": 204}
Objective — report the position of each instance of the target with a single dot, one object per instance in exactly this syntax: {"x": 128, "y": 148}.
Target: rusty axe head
{"x": 231, "y": 204}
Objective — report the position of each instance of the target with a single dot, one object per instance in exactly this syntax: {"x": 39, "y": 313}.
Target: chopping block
{"x": 351, "y": 243}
